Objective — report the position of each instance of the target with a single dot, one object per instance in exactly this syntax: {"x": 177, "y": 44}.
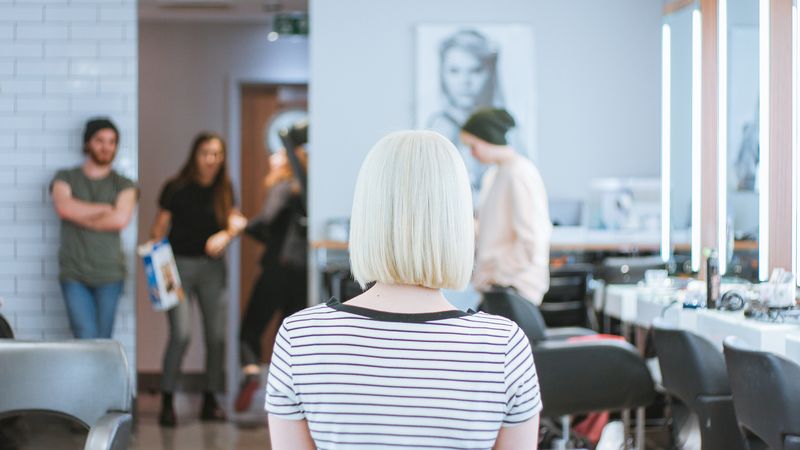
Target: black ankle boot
{"x": 167, "y": 416}
{"x": 211, "y": 410}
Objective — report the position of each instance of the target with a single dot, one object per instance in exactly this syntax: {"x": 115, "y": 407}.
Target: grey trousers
{"x": 204, "y": 279}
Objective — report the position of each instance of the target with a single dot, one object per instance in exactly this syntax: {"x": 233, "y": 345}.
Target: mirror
{"x": 680, "y": 125}
{"x": 742, "y": 138}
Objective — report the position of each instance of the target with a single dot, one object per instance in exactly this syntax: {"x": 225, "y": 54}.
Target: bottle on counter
{"x": 712, "y": 280}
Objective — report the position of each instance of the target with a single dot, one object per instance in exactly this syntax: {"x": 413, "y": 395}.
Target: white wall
{"x": 597, "y": 76}
{"x": 60, "y": 64}
{"x": 184, "y": 77}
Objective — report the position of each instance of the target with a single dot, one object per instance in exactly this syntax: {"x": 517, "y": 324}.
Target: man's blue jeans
{"x": 91, "y": 308}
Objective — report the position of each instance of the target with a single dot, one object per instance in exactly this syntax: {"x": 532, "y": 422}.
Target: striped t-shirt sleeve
{"x": 282, "y": 399}
{"x": 522, "y": 383}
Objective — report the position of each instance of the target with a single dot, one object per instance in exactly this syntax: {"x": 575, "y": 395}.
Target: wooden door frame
{"x": 234, "y": 83}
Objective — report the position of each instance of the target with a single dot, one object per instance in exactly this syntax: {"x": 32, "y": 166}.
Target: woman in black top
{"x": 196, "y": 208}
{"x": 282, "y": 286}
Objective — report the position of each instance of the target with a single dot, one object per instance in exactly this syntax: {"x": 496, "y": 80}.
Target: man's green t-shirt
{"x": 87, "y": 256}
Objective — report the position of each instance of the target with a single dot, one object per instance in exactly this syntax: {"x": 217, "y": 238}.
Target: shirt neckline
{"x": 335, "y": 303}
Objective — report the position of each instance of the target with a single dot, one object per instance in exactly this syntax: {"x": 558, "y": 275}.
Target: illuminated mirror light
{"x": 696, "y": 138}
{"x": 666, "y": 93}
{"x": 764, "y": 143}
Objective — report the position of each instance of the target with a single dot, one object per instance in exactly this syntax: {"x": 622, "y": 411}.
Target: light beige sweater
{"x": 513, "y": 246}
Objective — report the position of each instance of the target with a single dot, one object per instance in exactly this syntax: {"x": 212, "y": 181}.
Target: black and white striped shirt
{"x": 367, "y": 379}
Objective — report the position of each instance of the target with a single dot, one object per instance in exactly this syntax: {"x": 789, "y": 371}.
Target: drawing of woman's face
{"x": 464, "y": 77}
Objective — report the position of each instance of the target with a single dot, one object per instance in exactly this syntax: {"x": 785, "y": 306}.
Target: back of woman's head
{"x": 412, "y": 214}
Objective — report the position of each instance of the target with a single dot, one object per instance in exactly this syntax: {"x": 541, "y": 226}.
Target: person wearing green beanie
{"x": 513, "y": 244}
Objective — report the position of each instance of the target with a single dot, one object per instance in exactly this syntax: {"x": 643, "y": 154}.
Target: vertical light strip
{"x": 795, "y": 131}
{"x": 722, "y": 135}
{"x": 764, "y": 128}
{"x": 696, "y": 141}
{"x": 666, "y": 140}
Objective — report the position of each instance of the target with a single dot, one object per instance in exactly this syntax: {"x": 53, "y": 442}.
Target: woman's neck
{"x": 402, "y": 298}
{"x": 203, "y": 180}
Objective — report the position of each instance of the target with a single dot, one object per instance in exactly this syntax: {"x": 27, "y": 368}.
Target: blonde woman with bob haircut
{"x": 398, "y": 366}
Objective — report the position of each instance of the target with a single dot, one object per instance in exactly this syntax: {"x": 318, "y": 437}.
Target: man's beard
{"x": 101, "y": 160}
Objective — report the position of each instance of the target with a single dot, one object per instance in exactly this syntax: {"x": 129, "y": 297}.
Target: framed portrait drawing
{"x": 464, "y": 67}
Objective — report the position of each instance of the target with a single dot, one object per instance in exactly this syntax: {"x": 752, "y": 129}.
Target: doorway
{"x": 265, "y": 109}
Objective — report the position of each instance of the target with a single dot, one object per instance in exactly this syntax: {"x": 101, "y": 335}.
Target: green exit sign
{"x": 291, "y": 24}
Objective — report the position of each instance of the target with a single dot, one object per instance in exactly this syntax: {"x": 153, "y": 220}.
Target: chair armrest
{"x": 111, "y": 432}
{"x": 791, "y": 442}
{"x": 588, "y": 376}
{"x": 564, "y": 333}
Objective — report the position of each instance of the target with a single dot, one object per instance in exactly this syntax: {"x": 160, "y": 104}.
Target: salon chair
{"x": 581, "y": 376}
{"x": 565, "y": 303}
{"x": 5, "y": 329}
{"x": 766, "y": 394}
{"x": 694, "y": 372}
{"x": 84, "y": 380}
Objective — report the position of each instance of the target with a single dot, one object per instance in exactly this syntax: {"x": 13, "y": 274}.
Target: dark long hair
{"x": 222, "y": 186}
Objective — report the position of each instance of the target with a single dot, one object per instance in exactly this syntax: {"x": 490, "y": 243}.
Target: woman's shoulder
{"x": 307, "y": 314}
{"x": 482, "y": 318}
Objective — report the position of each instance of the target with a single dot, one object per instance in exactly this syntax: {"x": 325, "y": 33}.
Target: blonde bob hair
{"x": 412, "y": 217}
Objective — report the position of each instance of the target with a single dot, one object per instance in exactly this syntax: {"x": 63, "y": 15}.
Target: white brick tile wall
{"x": 6, "y": 103}
{"x": 38, "y": 213}
{"x": 6, "y": 216}
{"x": 21, "y": 195}
{"x": 125, "y": 13}
{"x": 96, "y": 32}
{"x": 24, "y": 304}
{"x": 42, "y": 141}
{"x": 21, "y": 232}
{"x": 82, "y": 49}
{"x": 19, "y": 122}
{"x": 52, "y": 67}
{"x": 74, "y": 86}
{"x": 36, "y": 177}
{"x": 11, "y": 267}
{"x": 70, "y": 13}
{"x": 6, "y": 31}
{"x": 32, "y": 85}
{"x": 7, "y": 177}
{"x": 6, "y": 67}
{"x": 42, "y": 32}
{"x": 32, "y": 158}
{"x": 7, "y": 139}
{"x": 54, "y": 305}
{"x": 7, "y": 285}
{"x": 21, "y": 13}
{"x": 106, "y": 103}
{"x": 37, "y": 104}
{"x": 61, "y": 62}
{"x": 40, "y": 285}
{"x": 97, "y": 67}
{"x": 20, "y": 50}
{"x": 116, "y": 50}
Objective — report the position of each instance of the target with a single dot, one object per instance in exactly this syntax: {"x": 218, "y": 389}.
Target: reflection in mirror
{"x": 680, "y": 100}
{"x": 742, "y": 145}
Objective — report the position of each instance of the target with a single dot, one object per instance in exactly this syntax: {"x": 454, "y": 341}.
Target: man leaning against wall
{"x": 95, "y": 203}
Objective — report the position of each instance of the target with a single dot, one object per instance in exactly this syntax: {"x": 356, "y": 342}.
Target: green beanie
{"x": 490, "y": 125}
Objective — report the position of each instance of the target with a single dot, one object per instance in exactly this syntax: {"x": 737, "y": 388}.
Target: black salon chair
{"x": 508, "y": 304}
{"x": 5, "y": 329}
{"x": 693, "y": 370}
{"x": 766, "y": 394}
{"x": 565, "y": 303}
{"x": 577, "y": 377}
